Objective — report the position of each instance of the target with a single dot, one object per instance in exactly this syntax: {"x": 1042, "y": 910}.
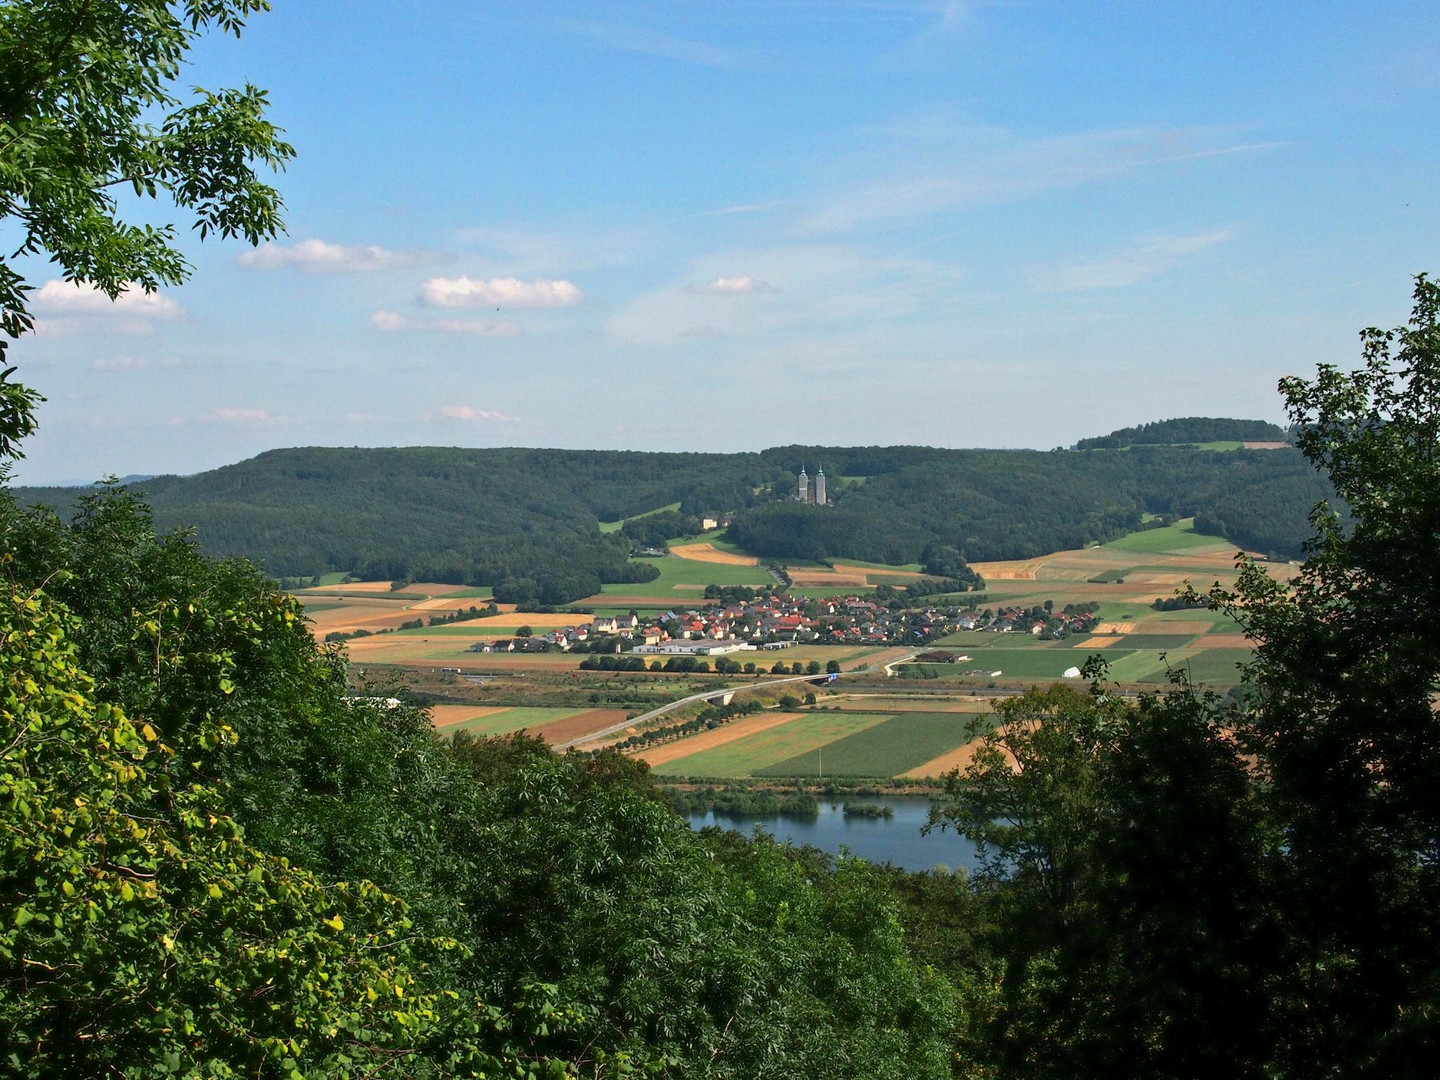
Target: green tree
{"x": 1342, "y": 719}
{"x": 89, "y": 106}
{"x": 141, "y": 934}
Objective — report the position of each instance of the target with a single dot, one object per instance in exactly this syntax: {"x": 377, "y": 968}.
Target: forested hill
{"x": 1188, "y": 429}
{"x": 527, "y": 520}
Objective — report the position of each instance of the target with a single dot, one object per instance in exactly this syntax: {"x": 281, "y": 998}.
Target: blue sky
{"x": 725, "y": 226}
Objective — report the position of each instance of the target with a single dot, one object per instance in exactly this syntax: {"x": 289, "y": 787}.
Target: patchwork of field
{"x": 734, "y": 731}
{"x": 554, "y": 725}
{"x": 821, "y": 744}
{"x": 495, "y": 720}
{"x": 892, "y": 747}
{"x": 680, "y": 582}
{"x": 746, "y": 757}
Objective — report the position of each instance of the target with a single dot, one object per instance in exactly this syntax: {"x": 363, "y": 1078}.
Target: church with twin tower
{"x": 812, "y": 491}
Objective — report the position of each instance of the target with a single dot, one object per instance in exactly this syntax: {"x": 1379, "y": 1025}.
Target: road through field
{"x": 710, "y": 695}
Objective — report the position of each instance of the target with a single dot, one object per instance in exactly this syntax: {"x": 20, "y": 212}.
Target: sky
{"x": 731, "y": 225}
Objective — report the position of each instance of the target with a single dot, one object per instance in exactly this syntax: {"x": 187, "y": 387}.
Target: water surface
{"x": 895, "y": 840}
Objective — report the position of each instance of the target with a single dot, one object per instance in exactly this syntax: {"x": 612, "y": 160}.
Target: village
{"x": 778, "y": 621}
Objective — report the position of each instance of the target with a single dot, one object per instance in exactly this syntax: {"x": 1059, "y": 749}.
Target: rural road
{"x": 719, "y": 691}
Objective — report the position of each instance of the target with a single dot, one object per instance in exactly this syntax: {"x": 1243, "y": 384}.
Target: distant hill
{"x": 1189, "y": 429}
{"x": 527, "y": 521}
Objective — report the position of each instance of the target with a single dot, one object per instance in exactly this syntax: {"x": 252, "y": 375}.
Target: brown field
{"x": 1265, "y": 445}
{"x": 707, "y": 740}
{"x": 353, "y": 587}
{"x": 1100, "y": 641}
{"x": 445, "y": 715}
{"x": 828, "y": 579}
{"x": 574, "y": 727}
{"x": 711, "y": 554}
{"x": 1115, "y": 628}
{"x": 427, "y": 588}
{"x": 363, "y": 615}
{"x": 1014, "y": 570}
{"x": 959, "y": 758}
{"x": 906, "y": 575}
{"x": 1223, "y": 641}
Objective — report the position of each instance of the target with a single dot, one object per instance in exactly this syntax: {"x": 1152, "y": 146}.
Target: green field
{"x": 1025, "y": 663}
{"x": 1214, "y": 667}
{"x": 1156, "y": 641}
{"x": 886, "y": 749}
{"x": 745, "y": 757}
{"x": 675, "y": 571}
{"x": 1178, "y": 537}
{"x": 615, "y": 526}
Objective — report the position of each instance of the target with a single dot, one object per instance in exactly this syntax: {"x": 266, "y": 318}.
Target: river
{"x": 895, "y": 839}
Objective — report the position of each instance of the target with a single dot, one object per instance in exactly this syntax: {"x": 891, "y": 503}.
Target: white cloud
{"x": 466, "y": 412}
{"x": 1146, "y": 258}
{"x": 134, "y": 363}
{"x": 502, "y": 292}
{"x": 318, "y": 256}
{"x": 66, "y": 307}
{"x": 733, "y": 286}
{"x": 393, "y": 321}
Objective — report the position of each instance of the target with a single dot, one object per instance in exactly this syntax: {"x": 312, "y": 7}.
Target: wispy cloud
{"x": 469, "y": 413}
{"x": 64, "y": 307}
{"x": 957, "y": 166}
{"x": 742, "y": 208}
{"x": 828, "y": 289}
{"x": 733, "y": 286}
{"x": 392, "y": 321}
{"x": 514, "y": 251}
{"x": 502, "y": 292}
{"x": 652, "y": 43}
{"x": 321, "y": 257}
{"x": 1144, "y": 259}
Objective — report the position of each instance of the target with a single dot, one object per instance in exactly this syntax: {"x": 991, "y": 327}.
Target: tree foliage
{"x": 1188, "y": 886}
{"x": 89, "y": 108}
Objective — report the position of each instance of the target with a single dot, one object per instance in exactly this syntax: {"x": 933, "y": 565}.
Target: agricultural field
{"x": 371, "y": 605}
{"x": 746, "y": 757}
{"x": 552, "y": 724}
{"x": 822, "y": 742}
{"x": 681, "y": 583}
{"x": 890, "y": 748}
{"x": 1138, "y": 651}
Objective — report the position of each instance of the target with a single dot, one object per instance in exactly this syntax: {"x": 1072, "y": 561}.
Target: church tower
{"x": 820, "y": 488}
{"x": 804, "y": 493}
